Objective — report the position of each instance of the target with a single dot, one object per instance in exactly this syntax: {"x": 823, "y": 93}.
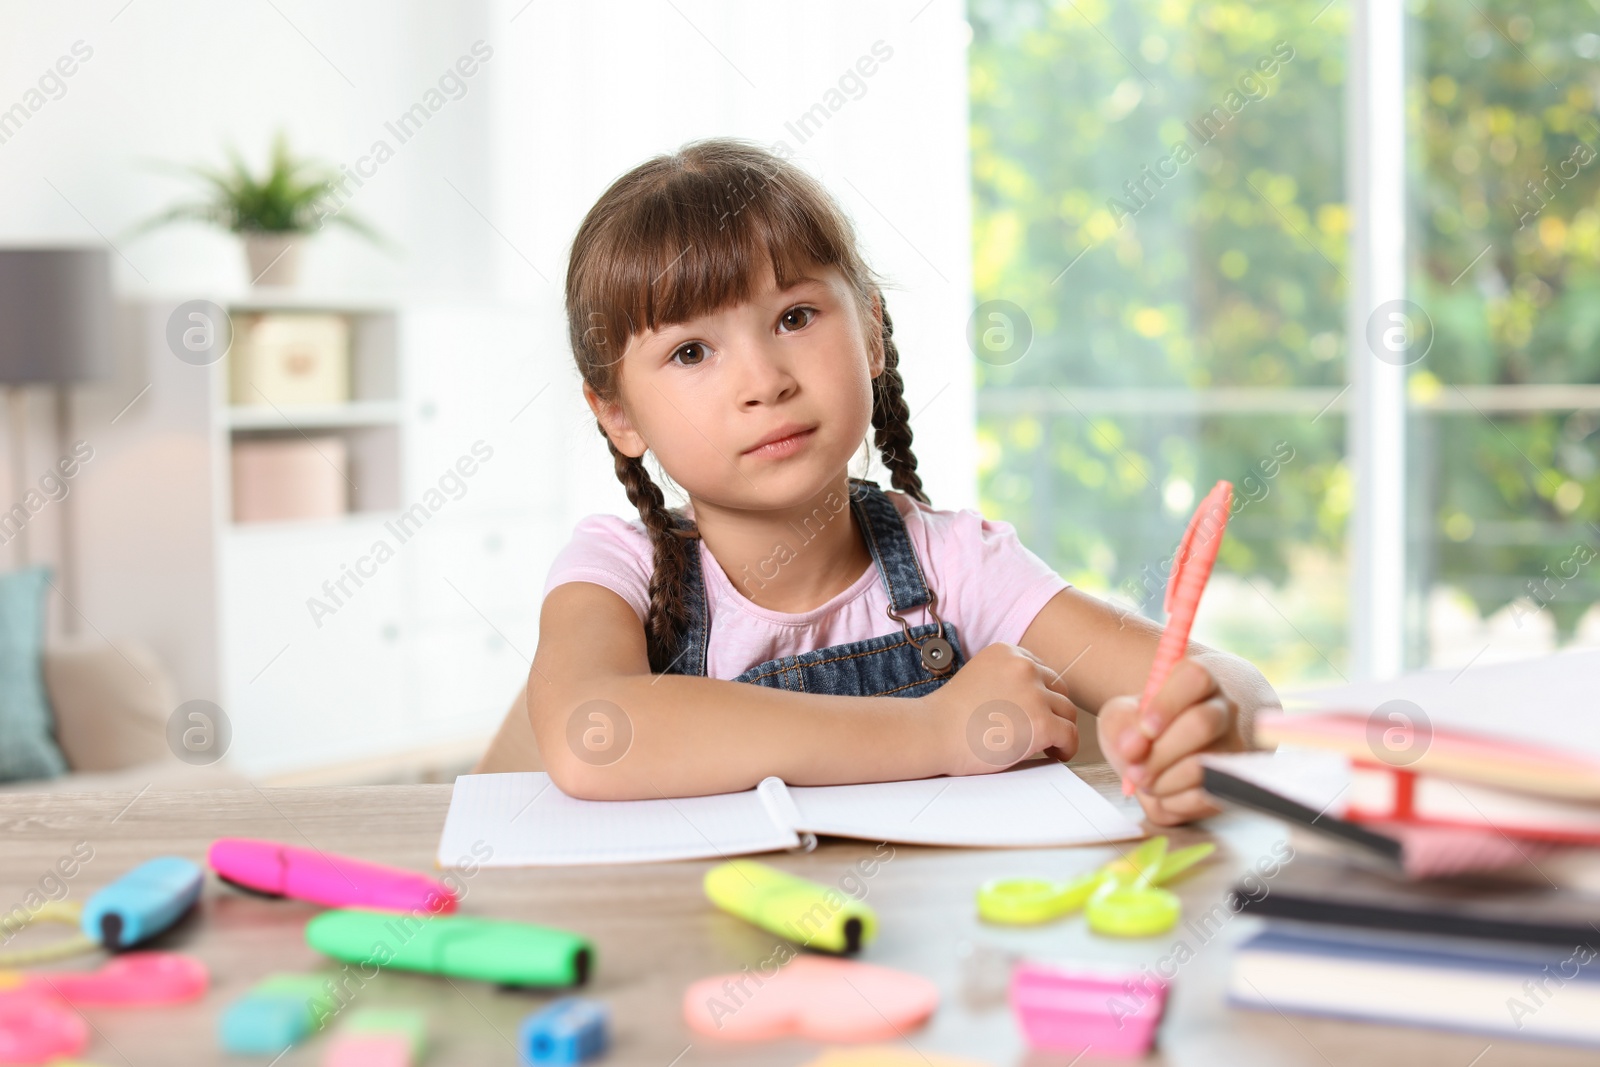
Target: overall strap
{"x": 890, "y": 545}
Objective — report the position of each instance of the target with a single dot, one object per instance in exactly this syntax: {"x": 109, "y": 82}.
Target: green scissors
{"x": 1120, "y": 899}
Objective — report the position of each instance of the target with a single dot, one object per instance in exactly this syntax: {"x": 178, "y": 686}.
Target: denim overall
{"x": 911, "y": 663}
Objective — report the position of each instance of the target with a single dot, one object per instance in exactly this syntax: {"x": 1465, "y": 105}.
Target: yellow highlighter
{"x": 809, "y": 913}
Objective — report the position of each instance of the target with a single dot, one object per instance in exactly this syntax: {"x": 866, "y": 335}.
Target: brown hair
{"x": 684, "y": 235}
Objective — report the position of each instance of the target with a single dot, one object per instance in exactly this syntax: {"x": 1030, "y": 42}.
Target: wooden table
{"x": 654, "y": 933}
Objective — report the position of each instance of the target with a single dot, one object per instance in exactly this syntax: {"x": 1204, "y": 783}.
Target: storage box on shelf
{"x": 312, "y": 411}
{"x": 401, "y": 623}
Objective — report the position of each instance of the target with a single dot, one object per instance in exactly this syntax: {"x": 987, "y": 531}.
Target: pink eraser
{"x": 325, "y": 878}
{"x": 1114, "y": 1010}
{"x": 368, "y": 1050}
{"x": 811, "y": 997}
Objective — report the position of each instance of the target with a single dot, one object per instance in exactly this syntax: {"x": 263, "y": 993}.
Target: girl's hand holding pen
{"x": 1157, "y": 753}
{"x": 1003, "y": 706}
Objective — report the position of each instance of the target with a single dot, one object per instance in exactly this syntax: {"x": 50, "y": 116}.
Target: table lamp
{"x": 55, "y": 329}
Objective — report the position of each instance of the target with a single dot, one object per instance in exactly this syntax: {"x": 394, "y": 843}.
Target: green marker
{"x": 458, "y": 946}
{"x": 815, "y": 915}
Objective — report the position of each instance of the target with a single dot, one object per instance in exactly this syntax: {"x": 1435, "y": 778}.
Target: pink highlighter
{"x": 278, "y": 870}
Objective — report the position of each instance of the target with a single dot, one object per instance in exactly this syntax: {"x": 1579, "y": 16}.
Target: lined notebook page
{"x": 527, "y": 822}
{"x": 1034, "y": 805}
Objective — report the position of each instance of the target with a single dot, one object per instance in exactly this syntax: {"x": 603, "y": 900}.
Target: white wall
{"x": 593, "y": 89}
{"x": 573, "y": 95}
{"x": 485, "y": 198}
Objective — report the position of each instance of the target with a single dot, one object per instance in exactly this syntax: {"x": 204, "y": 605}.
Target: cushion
{"x": 27, "y": 746}
{"x": 111, "y": 704}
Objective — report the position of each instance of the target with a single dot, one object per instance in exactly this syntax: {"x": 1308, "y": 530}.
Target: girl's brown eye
{"x": 689, "y": 348}
{"x": 809, "y": 313}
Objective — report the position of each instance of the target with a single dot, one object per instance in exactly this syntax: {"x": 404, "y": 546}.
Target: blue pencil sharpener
{"x": 569, "y": 1030}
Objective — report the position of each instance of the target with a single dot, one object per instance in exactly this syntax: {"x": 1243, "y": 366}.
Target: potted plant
{"x": 273, "y": 213}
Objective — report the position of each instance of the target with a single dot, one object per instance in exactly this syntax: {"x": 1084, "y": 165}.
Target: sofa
{"x": 111, "y": 702}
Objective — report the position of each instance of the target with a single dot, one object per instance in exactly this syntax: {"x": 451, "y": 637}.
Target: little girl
{"x": 791, "y": 619}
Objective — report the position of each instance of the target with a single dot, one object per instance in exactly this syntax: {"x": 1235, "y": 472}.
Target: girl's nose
{"x": 766, "y": 376}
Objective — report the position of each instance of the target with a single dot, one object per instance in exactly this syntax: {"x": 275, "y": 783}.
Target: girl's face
{"x": 706, "y": 395}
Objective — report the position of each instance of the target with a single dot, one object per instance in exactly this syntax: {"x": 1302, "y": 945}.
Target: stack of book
{"x": 1447, "y": 861}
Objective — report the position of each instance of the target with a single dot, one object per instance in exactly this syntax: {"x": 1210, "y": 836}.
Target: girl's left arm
{"x": 1208, "y": 703}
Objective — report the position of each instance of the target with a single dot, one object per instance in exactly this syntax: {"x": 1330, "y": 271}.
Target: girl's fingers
{"x": 1060, "y": 730}
{"x": 1187, "y": 685}
{"x": 1183, "y": 807}
{"x": 1185, "y": 774}
{"x": 1050, "y": 677}
{"x": 1198, "y": 728}
{"x": 1061, "y": 706}
{"x": 1062, "y": 743}
{"x": 1120, "y": 741}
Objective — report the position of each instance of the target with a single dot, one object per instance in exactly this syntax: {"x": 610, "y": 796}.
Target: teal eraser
{"x": 282, "y": 1010}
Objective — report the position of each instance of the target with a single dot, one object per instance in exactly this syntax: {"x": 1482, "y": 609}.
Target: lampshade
{"x": 55, "y": 314}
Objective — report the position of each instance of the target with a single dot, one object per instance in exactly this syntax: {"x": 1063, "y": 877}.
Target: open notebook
{"x": 525, "y": 821}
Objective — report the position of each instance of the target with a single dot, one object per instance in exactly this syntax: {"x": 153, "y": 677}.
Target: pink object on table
{"x": 1461, "y": 753}
{"x": 133, "y": 979}
{"x": 368, "y": 1050}
{"x": 1070, "y": 1009}
{"x": 811, "y": 997}
{"x": 38, "y": 1029}
{"x": 324, "y": 878}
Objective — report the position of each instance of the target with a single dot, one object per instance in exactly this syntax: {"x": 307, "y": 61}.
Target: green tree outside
{"x": 1159, "y": 186}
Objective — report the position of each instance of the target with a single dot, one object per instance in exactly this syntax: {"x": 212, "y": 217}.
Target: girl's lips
{"x": 786, "y": 446}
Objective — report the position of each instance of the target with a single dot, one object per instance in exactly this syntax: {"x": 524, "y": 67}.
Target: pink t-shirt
{"x": 989, "y": 585}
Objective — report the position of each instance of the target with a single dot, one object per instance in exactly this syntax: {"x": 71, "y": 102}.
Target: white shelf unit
{"x": 315, "y": 416}
{"x": 369, "y": 423}
{"x": 402, "y": 625}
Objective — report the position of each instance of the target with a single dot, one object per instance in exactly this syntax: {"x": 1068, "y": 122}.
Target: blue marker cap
{"x": 569, "y": 1030}
{"x": 143, "y": 903}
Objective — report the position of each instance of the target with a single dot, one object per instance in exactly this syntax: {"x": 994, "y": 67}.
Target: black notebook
{"x": 1317, "y": 889}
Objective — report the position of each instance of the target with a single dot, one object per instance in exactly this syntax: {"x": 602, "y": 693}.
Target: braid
{"x": 892, "y": 419}
{"x": 668, "y": 613}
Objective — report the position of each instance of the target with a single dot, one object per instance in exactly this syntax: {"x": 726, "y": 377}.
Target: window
{"x": 1504, "y": 426}
{"x": 1173, "y": 286}
{"x": 1160, "y": 265}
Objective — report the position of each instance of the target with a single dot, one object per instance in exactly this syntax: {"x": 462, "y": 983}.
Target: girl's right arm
{"x": 608, "y": 729}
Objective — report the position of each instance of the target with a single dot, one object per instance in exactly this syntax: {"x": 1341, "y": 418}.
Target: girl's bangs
{"x": 697, "y": 242}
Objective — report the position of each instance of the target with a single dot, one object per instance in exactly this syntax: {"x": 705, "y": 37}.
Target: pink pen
{"x": 335, "y": 881}
{"x": 1191, "y": 567}
{"x": 131, "y": 980}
